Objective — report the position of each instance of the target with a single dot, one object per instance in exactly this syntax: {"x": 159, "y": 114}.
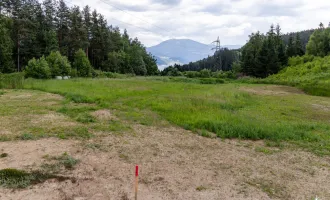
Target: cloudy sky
{"x": 154, "y": 21}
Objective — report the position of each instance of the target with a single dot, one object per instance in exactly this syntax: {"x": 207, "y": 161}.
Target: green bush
{"x": 205, "y": 73}
{"x": 38, "y": 69}
{"x": 192, "y": 74}
{"x": 82, "y": 64}
{"x": 58, "y": 64}
{"x": 11, "y": 81}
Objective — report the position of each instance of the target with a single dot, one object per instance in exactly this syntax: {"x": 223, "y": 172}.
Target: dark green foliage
{"x": 82, "y": 64}
{"x": 51, "y": 41}
{"x": 38, "y": 69}
{"x": 251, "y": 54}
{"x": 33, "y": 29}
{"x": 319, "y": 43}
{"x": 58, "y": 64}
{"x": 171, "y": 71}
{"x": 221, "y": 60}
{"x": 11, "y": 81}
{"x": 304, "y": 36}
{"x": 265, "y": 55}
{"x": 6, "y": 46}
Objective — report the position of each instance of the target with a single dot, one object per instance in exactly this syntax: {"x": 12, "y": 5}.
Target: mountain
{"x": 182, "y": 51}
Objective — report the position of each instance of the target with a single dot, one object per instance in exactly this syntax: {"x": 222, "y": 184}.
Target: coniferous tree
{"x": 62, "y": 24}
{"x": 282, "y": 57}
{"x": 291, "y": 48}
{"x": 299, "y": 49}
{"x": 6, "y": 46}
{"x": 51, "y": 42}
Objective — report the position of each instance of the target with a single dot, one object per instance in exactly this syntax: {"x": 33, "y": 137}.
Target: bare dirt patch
{"x": 104, "y": 115}
{"x": 272, "y": 90}
{"x": 175, "y": 164}
{"x": 52, "y": 118}
{"x": 321, "y": 107}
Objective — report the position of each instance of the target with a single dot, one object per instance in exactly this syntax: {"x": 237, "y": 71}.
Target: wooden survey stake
{"x": 136, "y": 180}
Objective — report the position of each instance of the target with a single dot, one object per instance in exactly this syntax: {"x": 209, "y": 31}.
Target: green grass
{"x": 225, "y": 110}
{"x": 11, "y": 81}
{"x": 13, "y": 178}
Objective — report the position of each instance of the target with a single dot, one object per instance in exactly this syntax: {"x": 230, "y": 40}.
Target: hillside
{"x": 182, "y": 51}
{"x": 308, "y": 72}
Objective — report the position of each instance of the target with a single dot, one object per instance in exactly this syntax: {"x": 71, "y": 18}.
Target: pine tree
{"x": 62, "y": 24}
{"x": 51, "y": 42}
{"x": 78, "y": 32}
{"x": 299, "y": 49}
{"x": 261, "y": 68}
{"x": 282, "y": 57}
{"x": 291, "y": 48}
{"x": 6, "y": 46}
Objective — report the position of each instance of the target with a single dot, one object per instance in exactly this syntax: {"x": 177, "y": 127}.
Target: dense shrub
{"x": 205, "y": 73}
{"x": 38, "y": 69}
{"x": 82, "y": 64}
{"x": 192, "y": 74}
{"x": 58, "y": 64}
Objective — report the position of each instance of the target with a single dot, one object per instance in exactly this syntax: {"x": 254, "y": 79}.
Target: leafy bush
{"x": 58, "y": 64}
{"x": 82, "y": 64}
{"x": 38, "y": 69}
{"x": 205, "y": 73}
{"x": 192, "y": 74}
{"x": 11, "y": 81}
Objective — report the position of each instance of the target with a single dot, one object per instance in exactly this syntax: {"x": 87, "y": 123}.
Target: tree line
{"x": 261, "y": 56}
{"x": 30, "y": 29}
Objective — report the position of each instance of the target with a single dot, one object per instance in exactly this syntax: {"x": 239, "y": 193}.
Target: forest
{"x": 51, "y": 38}
{"x": 252, "y": 56}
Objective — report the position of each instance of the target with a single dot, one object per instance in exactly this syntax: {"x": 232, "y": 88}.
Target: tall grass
{"x": 11, "y": 81}
{"x": 222, "y": 109}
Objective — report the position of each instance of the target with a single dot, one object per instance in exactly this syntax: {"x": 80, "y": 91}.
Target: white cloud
{"x": 204, "y": 20}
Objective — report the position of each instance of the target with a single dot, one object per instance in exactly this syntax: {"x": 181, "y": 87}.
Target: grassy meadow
{"x": 233, "y": 110}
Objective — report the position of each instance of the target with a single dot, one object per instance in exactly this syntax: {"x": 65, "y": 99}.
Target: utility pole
{"x": 217, "y": 49}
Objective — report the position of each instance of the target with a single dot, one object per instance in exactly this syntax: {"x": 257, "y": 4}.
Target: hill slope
{"x": 182, "y": 51}
{"x": 310, "y": 73}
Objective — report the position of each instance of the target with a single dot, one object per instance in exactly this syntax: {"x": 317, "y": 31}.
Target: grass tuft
{"x": 13, "y": 178}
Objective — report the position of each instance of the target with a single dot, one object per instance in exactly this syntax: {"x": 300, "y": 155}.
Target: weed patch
{"x": 13, "y": 178}
{"x": 3, "y": 155}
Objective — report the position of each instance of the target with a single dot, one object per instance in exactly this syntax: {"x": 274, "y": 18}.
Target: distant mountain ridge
{"x": 182, "y": 51}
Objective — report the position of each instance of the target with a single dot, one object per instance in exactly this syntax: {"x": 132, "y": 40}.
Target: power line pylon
{"x": 217, "y": 49}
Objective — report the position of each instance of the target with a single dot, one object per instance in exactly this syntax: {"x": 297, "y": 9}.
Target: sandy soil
{"x": 175, "y": 164}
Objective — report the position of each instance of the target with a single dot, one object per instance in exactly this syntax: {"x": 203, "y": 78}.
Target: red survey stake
{"x": 136, "y": 180}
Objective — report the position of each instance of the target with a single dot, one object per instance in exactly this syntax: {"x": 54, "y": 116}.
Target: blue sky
{"x": 205, "y": 20}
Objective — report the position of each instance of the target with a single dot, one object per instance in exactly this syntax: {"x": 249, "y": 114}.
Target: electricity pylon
{"x": 217, "y": 49}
